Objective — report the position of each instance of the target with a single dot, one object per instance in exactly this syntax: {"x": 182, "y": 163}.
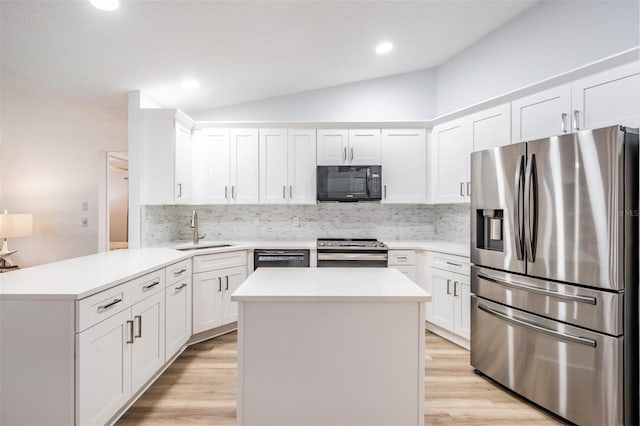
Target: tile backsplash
{"x": 415, "y": 222}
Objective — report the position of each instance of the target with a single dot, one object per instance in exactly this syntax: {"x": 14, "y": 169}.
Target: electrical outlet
{"x": 256, "y": 221}
{"x": 85, "y": 222}
{"x": 296, "y": 221}
{"x": 85, "y": 206}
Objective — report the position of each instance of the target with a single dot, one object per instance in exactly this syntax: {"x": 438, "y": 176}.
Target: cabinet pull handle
{"x": 153, "y": 284}
{"x": 176, "y": 273}
{"x": 109, "y": 305}
{"x": 563, "y": 122}
{"x": 130, "y": 324}
{"x": 226, "y": 192}
{"x": 576, "y": 119}
{"x": 284, "y": 191}
{"x": 448, "y": 286}
{"x": 219, "y": 284}
{"x": 402, "y": 257}
{"x": 227, "y": 286}
{"x": 179, "y": 190}
{"x": 181, "y": 287}
{"x": 385, "y": 191}
{"x": 345, "y": 154}
{"x": 462, "y": 189}
{"x": 290, "y": 191}
{"x": 469, "y": 189}
{"x": 351, "y": 153}
{"x": 233, "y": 192}
{"x": 454, "y": 264}
{"x": 139, "y": 318}
{"x": 455, "y": 289}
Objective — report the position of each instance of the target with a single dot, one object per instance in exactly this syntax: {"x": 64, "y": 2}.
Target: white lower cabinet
{"x": 405, "y": 262}
{"x": 447, "y": 280}
{"x": 117, "y": 356}
{"x": 177, "y": 301}
{"x": 212, "y": 288}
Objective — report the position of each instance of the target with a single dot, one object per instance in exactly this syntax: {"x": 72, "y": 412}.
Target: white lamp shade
{"x": 16, "y": 225}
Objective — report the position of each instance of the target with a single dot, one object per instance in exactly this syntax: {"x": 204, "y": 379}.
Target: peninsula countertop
{"x": 329, "y": 285}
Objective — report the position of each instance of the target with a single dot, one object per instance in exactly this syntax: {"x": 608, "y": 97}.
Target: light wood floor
{"x": 200, "y": 388}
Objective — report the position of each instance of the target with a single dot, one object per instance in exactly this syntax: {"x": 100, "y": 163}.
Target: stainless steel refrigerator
{"x": 554, "y": 281}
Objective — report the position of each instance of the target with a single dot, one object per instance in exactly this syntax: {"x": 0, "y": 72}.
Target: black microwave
{"x": 349, "y": 183}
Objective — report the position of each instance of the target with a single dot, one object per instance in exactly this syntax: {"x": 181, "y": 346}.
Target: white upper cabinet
{"x": 287, "y": 166}
{"x": 450, "y": 163}
{"x": 404, "y": 165}
{"x": 338, "y": 147}
{"x": 542, "y": 114}
{"x": 225, "y": 166}
{"x": 166, "y": 157}
{"x": 608, "y": 98}
{"x": 490, "y": 128}
{"x": 364, "y": 147}
{"x": 302, "y": 166}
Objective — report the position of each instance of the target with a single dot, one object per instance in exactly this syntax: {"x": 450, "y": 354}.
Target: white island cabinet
{"x": 320, "y": 346}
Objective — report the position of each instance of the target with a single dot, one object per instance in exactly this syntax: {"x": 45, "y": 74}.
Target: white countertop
{"x": 329, "y": 285}
{"x": 83, "y": 276}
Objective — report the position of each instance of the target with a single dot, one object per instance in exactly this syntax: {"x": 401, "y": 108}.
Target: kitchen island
{"x": 330, "y": 346}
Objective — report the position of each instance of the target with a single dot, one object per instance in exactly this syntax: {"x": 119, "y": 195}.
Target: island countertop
{"x": 329, "y": 285}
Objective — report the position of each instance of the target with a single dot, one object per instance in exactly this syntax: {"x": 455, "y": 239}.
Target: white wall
{"x": 408, "y": 96}
{"x": 549, "y": 38}
{"x": 50, "y": 165}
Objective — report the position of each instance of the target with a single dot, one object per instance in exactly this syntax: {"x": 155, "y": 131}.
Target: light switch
{"x": 296, "y": 221}
{"x": 85, "y": 206}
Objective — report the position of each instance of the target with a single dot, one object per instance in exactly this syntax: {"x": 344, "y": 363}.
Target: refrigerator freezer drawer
{"x": 570, "y": 371}
{"x": 597, "y": 310}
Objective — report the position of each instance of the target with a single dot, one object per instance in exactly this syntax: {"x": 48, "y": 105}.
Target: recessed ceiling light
{"x": 383, "y": 48}
{"x": 105, "y": 4}
{"x": 190, "y": 84}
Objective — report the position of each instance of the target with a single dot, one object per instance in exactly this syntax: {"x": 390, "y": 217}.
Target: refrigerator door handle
{"x": 540, "y": 329}
{"x": 531, "y": 208}
{"x": 550, "y": 293}
{"x": 518, "y": 211}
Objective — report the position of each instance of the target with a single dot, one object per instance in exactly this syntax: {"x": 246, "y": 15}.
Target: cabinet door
{"x": 302, "y": 166}
{"x": 178, "y": 316}
{"x": 158, "y": 160}
{"x": 103, "y": 369}
{"x": 462, "y": 299}
{"x": 233, "y": 277}
{"x": 542, "y": 114}
{"x": 183, "y": 187}
{"x": 442, "y": 299}
{"x": 207, "y": 297}
{"x": 364, "y": 147}
{"x": 450, "y": 163}
{"x": 404, "y": 165}
{"x": 147, "y": 351}
{"x": 608, "y": 98}
{"x": 490, "y": 128}
{"x": 244, "y": 166}
{"x": 332, "y": 147}
{"x": 212, "y": 154}
{"x": 273, "y": 166}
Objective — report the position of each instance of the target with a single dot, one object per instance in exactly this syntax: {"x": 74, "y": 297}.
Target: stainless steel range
{"x": 351, "y": 252}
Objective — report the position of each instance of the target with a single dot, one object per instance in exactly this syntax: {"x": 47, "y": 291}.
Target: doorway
{"x": 117, "y": 200}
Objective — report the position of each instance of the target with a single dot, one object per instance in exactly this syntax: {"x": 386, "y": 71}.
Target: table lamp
{"x": 13, "y": 225}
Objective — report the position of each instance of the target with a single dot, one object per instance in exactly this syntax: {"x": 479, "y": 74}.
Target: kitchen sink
{"x": 204, "y": 245}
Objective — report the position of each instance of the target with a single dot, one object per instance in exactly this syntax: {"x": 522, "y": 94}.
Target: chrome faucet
{"x": 194, "y": 226}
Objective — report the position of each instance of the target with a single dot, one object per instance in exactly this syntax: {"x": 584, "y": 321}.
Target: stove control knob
{"x": 329, "y": 244}
{"x": 381, "y": 244}
{"x": 320, "y": 244}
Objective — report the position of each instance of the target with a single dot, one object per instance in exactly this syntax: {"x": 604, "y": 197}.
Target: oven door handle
{"x": 540, "y": 329}
{"x": 352, "y": 256}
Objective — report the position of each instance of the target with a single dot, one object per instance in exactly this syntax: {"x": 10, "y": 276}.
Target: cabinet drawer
{"x": 177, "y": 272}
{"x": 448, "y": 262}
{"x": 211, "y": 262}
{"x": 402, "y": 257}
{"x": 409, "y": 271}
{"x": 147, "y": 285}
{"x": 103, "y": 305}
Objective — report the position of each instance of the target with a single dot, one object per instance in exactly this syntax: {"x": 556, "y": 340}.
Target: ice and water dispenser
{"x": 489, "y": 229}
